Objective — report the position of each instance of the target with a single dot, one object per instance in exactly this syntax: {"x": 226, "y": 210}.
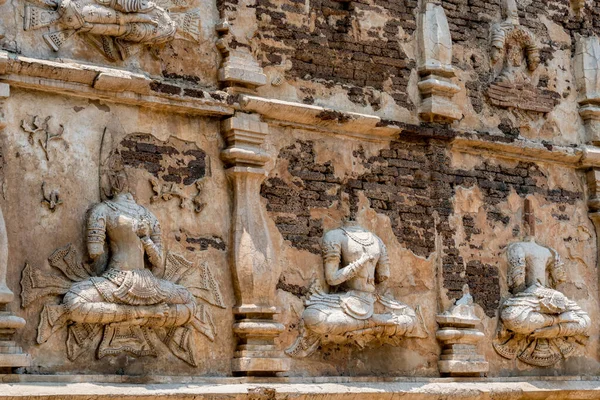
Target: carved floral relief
{"x": 40, "y": 129}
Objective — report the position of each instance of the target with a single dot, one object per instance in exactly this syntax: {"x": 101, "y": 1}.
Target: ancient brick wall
{"x": 412, "y": 183}
{"x": 328, "y": 42}
{"x": 323, "y": 43}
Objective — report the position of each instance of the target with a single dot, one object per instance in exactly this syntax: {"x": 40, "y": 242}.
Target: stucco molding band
{"x": 118, "y": 86}
{"x": 108, "y": 84}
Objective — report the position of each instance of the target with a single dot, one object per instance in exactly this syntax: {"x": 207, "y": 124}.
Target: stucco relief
{"x": 116, "y": 28}
{"x": 515, "y": 50}
{"x": 459, "y": 335}
{"x": 40, "y": 129}
{"x": 435, "y": 65}
{"x": 138, "y": 297}
{"x": 356, "y": 309}
{"x": 538, "y": 325}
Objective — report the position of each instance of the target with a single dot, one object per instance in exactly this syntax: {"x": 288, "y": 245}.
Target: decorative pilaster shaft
{"x": 2, "y": 28}
{"x": 11, "y": 355}
{"x": 593, "y": 181}
{"x": 254, "y": 267}
{"x": 435, "y": 65}
{"x": 587, "y": 77}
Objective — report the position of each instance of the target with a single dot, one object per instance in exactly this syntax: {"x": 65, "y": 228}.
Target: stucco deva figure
{"x": 137, "y": 294}
{"x": 115, "y": 27}
{"x": 515, "y": 50}
{"x": 538, "y": 325}
{"x": 353, "y": 311}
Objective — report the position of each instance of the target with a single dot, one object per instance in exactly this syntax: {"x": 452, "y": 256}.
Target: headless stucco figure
{"x": 127, "y": 291}
{"x": 538, "y": 325}
{"x": 355, "y": 262}
{"x": 127, "y": 296}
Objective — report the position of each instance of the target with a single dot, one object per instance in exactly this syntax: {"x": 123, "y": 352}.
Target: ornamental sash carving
{"x": 353, "y": 311}
{"x": 538, "y": 325}
{"x": 515, "y": 50}
{"x": 138, "y": 296}
{"x": 115, "y": 27}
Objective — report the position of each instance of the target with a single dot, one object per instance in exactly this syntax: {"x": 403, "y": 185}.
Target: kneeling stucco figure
{"x": 353, "y": 311}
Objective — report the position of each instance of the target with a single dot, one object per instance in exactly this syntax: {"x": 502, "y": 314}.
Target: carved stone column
{"x": 239, "y": 69}
{"x": 435, "y": 65}
{"x": 255, "y": 269}
{"x": 11, "y": 355}
{"x": 587, "y": 69}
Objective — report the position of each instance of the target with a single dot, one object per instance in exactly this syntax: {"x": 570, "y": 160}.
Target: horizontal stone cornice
{"x": 124, "y": 87}
{"x": 114, "y": 85}
{"x": 310, "y": 117}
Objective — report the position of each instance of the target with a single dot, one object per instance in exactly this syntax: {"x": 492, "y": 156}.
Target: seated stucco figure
{"x": 538, "y": 325}
{"x": 113, "y": 25}
{"x": 127, "y": 298}
{"x": 127, "y": 291}
{"x": 355, "y": 262}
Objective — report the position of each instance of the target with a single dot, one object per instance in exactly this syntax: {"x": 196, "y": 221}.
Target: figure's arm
{"x": 532, "y": 53}
{"x": 498, "y": 42}
{"x": 331, "y": 258}
{"x": 96, "y": 232}
{"x": 382, "y": 269}
{"x": 151, "y": 239}
{"x": 337, "y": 276}
{"x": 516, "y": 268}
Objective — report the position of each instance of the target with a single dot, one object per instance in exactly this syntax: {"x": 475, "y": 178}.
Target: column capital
{"x": 244, "y": 134}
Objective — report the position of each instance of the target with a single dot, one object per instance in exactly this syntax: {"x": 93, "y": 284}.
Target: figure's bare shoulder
{"x": 98, "y": 210}
{"x": 334, "y": 236}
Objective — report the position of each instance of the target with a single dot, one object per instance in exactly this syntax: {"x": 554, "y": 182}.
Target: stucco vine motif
{"x": 115, "y": 27}
{"x": 140, "y": 296}
{"x": 538, "y": 325}
{"x": 353, "y": 311}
